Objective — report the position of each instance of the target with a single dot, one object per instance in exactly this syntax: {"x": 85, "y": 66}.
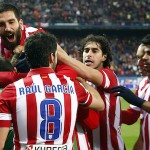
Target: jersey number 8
{"x": 51, "y": 111}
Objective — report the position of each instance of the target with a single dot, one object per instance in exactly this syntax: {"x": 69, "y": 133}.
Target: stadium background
{"x": 124, "y": 22}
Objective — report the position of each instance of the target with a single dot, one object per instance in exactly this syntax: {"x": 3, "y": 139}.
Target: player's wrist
{"x": 139, "y": 102}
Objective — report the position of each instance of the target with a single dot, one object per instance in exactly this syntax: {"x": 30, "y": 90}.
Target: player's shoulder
{"x": 144, "y": 81}
{"x": 32, "y": 30}
{"x": 8, "y": 92}
{"x": 108, "y": 72}
{"x": 106, "y": 69}
{"x": 63, "y": 77}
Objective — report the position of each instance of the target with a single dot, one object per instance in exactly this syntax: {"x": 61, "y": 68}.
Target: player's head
{"x": 10, "y": 25}
{"x": 143, "y": 54}
{"x": 140, "y": 61}
{"x": 40, "y": 50}
{"x": 5, "y": 65}
{"x": 96, "y": 51}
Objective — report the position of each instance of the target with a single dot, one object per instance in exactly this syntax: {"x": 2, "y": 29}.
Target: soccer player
{"x": 96, "y": 69}
{"x": 142, "y": 96}
{"x": 43, "y": 105}
{"x": 13, "y": 34}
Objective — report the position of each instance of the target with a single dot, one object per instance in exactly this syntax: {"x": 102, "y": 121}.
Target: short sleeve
{"x": 5, "y": 111}
{"x": 83, "y": 95}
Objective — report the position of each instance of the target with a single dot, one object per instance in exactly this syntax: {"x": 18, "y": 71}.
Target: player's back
{"x": 44, "y": 110}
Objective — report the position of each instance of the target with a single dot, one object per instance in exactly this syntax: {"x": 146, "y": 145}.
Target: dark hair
{"x": 5, "y": 65}
{"x": 146, "y": 40}
{"x": 103, "y": 42}
{"x": 38, "y": 48}
{"x": 9, "y": 7}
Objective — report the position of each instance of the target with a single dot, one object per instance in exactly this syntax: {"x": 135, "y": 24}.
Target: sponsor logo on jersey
{"x": 46, "y": 147}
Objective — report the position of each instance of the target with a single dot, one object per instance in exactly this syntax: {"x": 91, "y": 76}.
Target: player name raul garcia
{"x": 67, "y": 89}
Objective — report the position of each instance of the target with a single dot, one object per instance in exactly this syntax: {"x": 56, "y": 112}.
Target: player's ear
{"x": 104, "y": 57}
{"x": 21, "y": 24}
{"x": 51, "y": 58}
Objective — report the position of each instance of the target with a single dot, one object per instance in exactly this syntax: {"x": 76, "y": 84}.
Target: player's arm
{"x": 3, "y": 135}
{"x": 97, "y": 102}
{"x": 146, "y": 106}
{"x": 83, "y": 71}
{"x": 5, "y": 115}
{"x": 9, "y": 77}
{"x": 86, "y": 117}
{"x": 6, "y": 78}
{"x": 131, "y": 98}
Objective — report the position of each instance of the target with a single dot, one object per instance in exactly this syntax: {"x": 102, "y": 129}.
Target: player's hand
{"x": 18, "y": 49}
{"x": 128, "y": 95}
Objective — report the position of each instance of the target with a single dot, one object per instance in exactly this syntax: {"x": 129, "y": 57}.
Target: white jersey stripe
{"x": 30, "y": 29}
{"x": 96, "y": 137}
{"x": 107, "y": 98}
{"x": 117, "y": 122}
{"x": 39, "y": 96}
{"x": 74, "y": 106}
{"x": 4, "y": 116}
{"x": 107, "y": 84}
{"x": 60, "y": 97}
{"x": 81, "y": 139}
{"x": 21, "y": 104}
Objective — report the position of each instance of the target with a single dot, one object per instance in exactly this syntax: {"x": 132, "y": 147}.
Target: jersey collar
{"x": 43, "y": 70}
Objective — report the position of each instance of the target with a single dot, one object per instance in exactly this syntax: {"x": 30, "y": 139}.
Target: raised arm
{"x": 97, "y": 102}
{"x": 131, "y": 98}
{"x": 146, "y": 106}
{"x": 83, "y": 71}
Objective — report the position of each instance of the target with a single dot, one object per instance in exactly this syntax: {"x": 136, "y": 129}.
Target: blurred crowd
{"x": 91, "y": 12}
{"x": 85, "y": 12}
{"x": 124, "y": 55}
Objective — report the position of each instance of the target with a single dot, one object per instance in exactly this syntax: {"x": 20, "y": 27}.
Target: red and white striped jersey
{"x": 108, "y": 135}
{"x": 26, "y": 31}
{"x": 86, "y": 120}
{"x": 143, "y": 91}
{"x": 43, "y": 108}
